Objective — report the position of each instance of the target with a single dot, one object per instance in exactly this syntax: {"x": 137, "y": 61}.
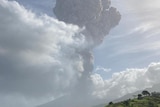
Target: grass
{"x": 146, "y": 101}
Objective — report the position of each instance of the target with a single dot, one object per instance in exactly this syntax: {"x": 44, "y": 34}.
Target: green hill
{"x": 146, "y": 101}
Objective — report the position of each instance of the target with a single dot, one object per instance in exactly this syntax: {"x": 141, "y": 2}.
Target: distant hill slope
{"x": 63, "y": 101}
{"x": 147, "y": 101}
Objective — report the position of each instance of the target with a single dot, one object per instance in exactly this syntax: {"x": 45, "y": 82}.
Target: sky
{"x": 36, "y": 51}
{"x": 134, "y": 43}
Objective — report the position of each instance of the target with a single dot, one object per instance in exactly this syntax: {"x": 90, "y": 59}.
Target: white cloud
{"x": 35, "y": 53}
{"x": 143, "y": 4}
{"x": 102, "y": 69}
{"x": 127, "y": 81}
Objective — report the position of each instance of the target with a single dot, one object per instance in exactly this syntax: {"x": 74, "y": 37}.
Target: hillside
{"x": 144, "y": 101}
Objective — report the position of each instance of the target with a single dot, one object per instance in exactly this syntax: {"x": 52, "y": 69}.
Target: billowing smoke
{"x": 97, "y": 17}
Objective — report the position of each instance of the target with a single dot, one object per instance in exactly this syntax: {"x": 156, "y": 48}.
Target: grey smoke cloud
{"x": 97, "y": 16}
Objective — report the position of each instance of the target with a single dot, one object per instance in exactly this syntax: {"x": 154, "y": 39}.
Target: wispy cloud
{"x": 102, "y": 69}
{"x": 136, "y": 39}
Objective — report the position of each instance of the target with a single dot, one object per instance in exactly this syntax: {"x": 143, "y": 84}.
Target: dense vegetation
{"x": 143, "y": 100}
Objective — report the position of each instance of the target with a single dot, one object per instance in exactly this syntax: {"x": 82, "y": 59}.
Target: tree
{"x": 110, "y": 103}
{"x": 145, "y": 93}
{"x": 139, "y": 96}
{"x": 126, "y": 102}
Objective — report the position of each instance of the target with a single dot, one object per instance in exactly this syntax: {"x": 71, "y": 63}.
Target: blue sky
{"x": 39, "y": 6}
{"x": 134, "y": 43}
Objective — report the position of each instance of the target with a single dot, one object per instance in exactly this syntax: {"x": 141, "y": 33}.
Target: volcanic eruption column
{"x": 98, "y": 18}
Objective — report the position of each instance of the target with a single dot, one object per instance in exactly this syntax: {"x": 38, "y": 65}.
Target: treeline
{"x": 144, "y": 99}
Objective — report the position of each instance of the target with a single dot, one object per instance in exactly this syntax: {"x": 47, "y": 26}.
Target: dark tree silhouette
{"x": 126, "y": 102}
{"x": 110, "y": 103}
{"x": 145, "y": 93}
{"x": 139, "y": 96}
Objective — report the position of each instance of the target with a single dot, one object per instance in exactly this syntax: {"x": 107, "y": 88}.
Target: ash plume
{"x": 97, "y": 17}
